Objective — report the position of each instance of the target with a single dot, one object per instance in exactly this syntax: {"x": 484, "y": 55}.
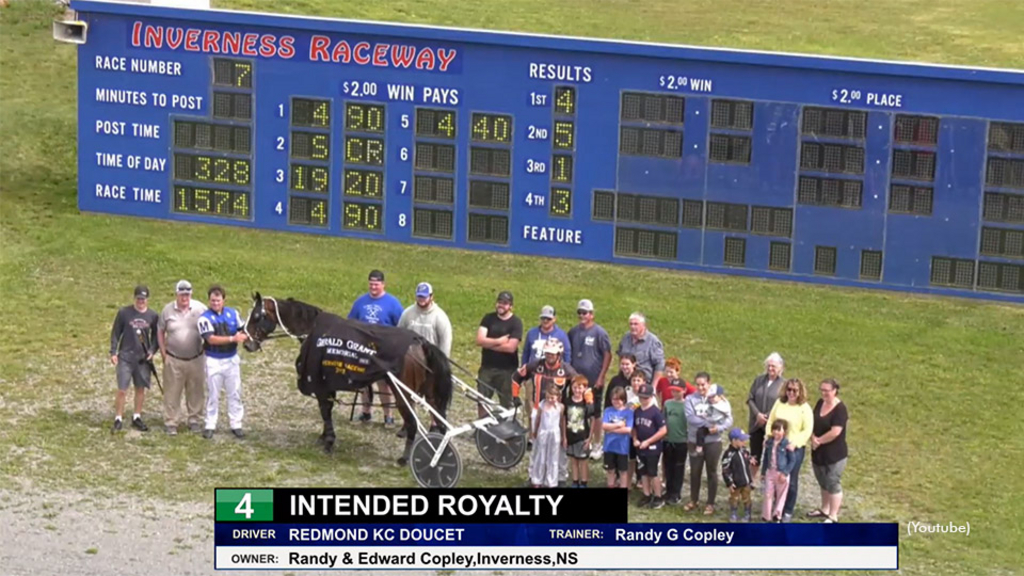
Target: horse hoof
{"x": 403, "y": 461}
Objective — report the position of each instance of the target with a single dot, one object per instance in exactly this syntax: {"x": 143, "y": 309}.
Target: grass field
{"x": 933, "y": 384}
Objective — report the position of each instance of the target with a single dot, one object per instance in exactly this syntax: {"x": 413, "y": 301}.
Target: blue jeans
{"x": 794, "y": 481}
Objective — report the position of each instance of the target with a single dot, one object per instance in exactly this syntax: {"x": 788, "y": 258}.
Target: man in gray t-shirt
{"x": 642, "y": 343}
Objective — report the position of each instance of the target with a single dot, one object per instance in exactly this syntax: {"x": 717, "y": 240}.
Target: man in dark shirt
{"x": 498, "y": 337}
{"x": 132, "y": 345}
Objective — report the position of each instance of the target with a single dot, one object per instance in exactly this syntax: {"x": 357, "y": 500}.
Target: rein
{"x": 277, "y": 322}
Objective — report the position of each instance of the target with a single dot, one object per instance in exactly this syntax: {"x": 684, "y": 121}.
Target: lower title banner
{"x": 562, "y": 546}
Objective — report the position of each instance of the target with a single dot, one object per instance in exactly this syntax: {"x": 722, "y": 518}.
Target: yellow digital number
{"x": 561, "y": 201}
{"x": 298, "y": 175}
{"x": 320, "y": 146}
{"x": 353, "y": 183}
{"x": 241, "y": 172}
{"x": 202, "y": 197}
{"x": 502, "y": 131}
{"x": 446, "y": 124}
{"x": 373, "y": 184}
{"x": 563, "y": 168}
{"x": 241, "y": 205}
{"x": 565, "y": 101}
{"x": 222, "y": 197}
{"x": 242, "y": 69}
{"x": 222, "y": 167}
{"x": 480, "y": 129}
{"x": 563, "y": 135}
{"x": 322, "y": 114}
{"x": 372, "y": 217}
{"x": 352, "y": 215}
{"x": 181, "y": 197}
{"x": 318, "y": 215}
{"x": 375, "y": 119}
{"x": 319, "y": 178}
{"x": 203, "y": 167}
{"x": 354, "y": 117}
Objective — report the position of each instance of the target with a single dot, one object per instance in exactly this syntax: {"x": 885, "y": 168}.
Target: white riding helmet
{"x": 554, "y": 346}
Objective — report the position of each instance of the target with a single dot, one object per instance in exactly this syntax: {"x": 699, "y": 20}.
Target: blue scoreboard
{"x": 843, "y": 171}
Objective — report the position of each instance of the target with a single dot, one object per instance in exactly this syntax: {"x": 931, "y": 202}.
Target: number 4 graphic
{"x": 245, "y": 506}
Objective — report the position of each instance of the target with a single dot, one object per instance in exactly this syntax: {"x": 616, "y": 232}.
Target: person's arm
{"x": 802, "y": 435}
{"x": 727, "y": 468}
{"x": 353, "y": 314}
{"x": 561, "y": 424}
{"x": 628, "y": 428}
{"x": 162, "y": 341}
{"x": 771, "y": 417}
{"x": 661, "y": 433}
{"x": 116, "y": 333}
{"x": 406, "y": 318}
{"x": 657, "y": 361}
{"x": 443, "y": 327}
{"x": 566, "y": 347}
{"x": 751, "y": 404}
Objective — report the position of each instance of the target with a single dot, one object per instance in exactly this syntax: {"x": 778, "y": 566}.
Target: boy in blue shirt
{"x": 377, "y": 307}
{"x": 618, "y": 427}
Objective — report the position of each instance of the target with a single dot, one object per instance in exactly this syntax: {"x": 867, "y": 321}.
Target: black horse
{"x": 420, "y": 365}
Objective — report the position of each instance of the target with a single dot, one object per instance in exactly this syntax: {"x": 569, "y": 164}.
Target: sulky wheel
{"x": 449, "y": 467}
{"x": 502, "y": 454}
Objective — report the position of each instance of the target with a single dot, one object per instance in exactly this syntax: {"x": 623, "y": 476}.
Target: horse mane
{"x": 303, "y": 312}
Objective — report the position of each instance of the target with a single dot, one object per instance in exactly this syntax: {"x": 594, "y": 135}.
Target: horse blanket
{"x": 345, "y": 355}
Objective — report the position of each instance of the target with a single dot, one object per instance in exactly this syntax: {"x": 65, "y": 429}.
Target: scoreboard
{"x": 853, "y": 172}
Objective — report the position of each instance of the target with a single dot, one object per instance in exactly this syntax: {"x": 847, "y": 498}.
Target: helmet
{"x": 553, "y": 346}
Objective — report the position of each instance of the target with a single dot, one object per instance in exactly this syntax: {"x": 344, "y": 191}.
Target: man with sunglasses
{"x": 591, "y": 354}
{"x": 132, "y": 345}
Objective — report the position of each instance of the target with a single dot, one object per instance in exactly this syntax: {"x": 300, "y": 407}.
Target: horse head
{"x": 261, "y": 322}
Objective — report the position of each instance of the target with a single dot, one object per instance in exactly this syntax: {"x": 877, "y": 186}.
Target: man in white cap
{"x": 539, "y": 335}
{"x": 427, "y": 319}
{"x": 181, "y": 348}
{"x": 591, "y": 356}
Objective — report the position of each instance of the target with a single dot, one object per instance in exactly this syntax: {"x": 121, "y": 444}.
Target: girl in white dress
{"x": 548, "y": 436}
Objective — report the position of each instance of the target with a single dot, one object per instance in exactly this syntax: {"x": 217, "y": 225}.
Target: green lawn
{"x": 933, "y": 384}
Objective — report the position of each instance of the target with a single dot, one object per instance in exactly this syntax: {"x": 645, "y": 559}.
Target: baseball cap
{"x": 424, "y": 289}
{"x": 141, "y": 291}
{"x": 585, "y": 305}
{"x": 376, "y": 275}
{"x": 505, "y": 295}
{"x": 679, "y": 389}
{"x": 646, "y": 391}
{"x": 719, "y": 391}
{"x": 547, "y": 312}
{"x": 738, "y": 434}
{"x": 183, "y": 287}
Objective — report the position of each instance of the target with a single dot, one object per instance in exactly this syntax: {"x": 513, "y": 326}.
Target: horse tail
{"x": 438, "y": 364}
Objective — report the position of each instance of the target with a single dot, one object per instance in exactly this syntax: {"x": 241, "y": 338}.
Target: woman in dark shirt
{"x": 828, "y": 440}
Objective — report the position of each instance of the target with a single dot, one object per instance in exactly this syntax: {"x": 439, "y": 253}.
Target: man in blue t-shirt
{"x": 591, "y": 356}
{"x": 537, "y": 336}
{"x": 377, "y": 307}
{"x": 220, "y": 328}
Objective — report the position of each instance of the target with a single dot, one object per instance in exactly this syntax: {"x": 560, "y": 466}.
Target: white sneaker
{"x": 596, "y": 453}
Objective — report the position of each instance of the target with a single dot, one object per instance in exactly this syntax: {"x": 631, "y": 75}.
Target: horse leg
{"x": 326, "y": 407}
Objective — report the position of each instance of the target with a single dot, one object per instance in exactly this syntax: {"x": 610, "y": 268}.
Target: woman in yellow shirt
{"x": 792, "y": 407}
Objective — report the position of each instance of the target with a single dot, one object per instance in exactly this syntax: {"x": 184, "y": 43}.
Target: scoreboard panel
{"x": 841, "y": 171}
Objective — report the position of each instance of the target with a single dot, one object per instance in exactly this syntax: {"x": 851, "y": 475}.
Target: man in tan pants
{"x": 184, "y": 364}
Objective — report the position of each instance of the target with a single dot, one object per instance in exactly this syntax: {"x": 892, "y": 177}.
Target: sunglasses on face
{"x": 583, "y": 312}
{"x": 793, "y": 390}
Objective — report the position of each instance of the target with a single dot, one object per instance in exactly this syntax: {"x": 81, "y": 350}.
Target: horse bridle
{"x": 266, "y": 325}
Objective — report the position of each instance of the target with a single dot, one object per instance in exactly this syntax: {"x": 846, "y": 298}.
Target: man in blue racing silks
{"x": 221, "y": 330}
